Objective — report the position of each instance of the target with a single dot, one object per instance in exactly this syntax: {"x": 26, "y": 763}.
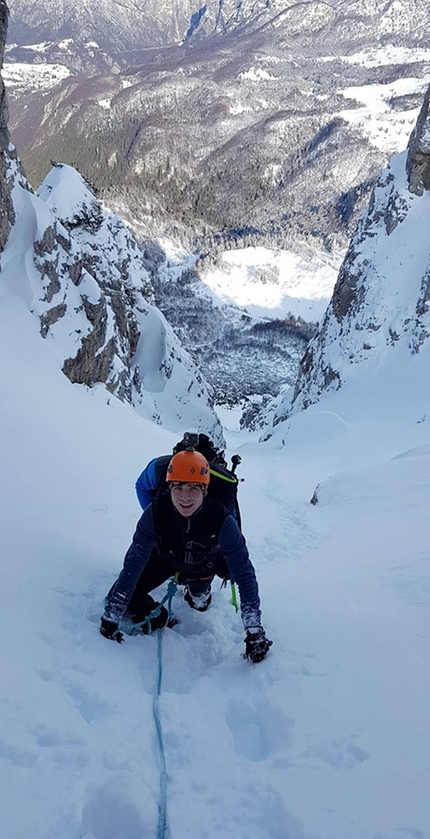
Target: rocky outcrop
{"x": 83, "y": 274}
{"x": 85, "y": 240}
{"x": 418, "y": 162}
{"x": 6, "y": 207}
{"x": 114, "y": 334}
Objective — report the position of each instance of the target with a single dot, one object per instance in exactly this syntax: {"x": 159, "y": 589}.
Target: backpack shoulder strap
{"x": 223, "y": 474}
{"x": 161, "y": 465}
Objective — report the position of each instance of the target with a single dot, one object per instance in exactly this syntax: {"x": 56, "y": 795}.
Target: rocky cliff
{"x": 381, "y": 300}
{"x": 6, "y": 208}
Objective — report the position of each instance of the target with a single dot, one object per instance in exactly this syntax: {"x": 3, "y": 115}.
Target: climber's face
{"x": 186, "y": 498}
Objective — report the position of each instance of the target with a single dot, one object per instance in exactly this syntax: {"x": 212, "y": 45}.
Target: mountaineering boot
{"x": 200, "y": 601}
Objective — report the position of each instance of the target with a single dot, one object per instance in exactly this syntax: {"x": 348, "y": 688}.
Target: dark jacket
{"x": 193, "y": 545}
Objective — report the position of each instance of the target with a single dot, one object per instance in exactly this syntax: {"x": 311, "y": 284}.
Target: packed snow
{"x": 327, "y": 738}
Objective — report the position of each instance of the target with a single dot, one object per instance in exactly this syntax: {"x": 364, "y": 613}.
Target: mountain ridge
{"x": 245, "y": 129}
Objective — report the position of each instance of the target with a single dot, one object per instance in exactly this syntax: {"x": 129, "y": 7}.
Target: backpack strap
{"x": 161, "y": 465}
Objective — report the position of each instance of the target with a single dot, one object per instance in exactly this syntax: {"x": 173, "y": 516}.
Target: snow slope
{"x": 328, "y": 738}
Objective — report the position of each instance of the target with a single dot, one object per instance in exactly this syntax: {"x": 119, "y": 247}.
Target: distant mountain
{"x": 254, "y": 119}
{"x": 132, "y": 26}
{"x": 380, "y": 309}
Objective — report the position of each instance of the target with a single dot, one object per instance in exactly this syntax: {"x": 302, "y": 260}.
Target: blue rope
{"x": 163, "y": 826}
{"x": 134, "y": 629}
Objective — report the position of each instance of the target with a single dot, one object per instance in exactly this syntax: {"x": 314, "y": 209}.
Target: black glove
{"x": 109, "y": 629}
{"x": 256, "y": 645}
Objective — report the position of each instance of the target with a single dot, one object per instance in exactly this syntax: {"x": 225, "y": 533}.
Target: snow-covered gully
{"x": 328, "y": 736}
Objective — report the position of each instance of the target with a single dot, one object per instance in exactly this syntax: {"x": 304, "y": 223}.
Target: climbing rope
{"x": 163, "y": 826}
{"x": 136, "y": 629}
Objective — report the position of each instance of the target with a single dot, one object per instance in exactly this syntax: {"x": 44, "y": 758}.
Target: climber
{"x": 186, "y": 531}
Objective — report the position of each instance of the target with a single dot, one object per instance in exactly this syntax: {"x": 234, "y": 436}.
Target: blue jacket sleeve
{"x": 242, "y": 571}
{"x": 134, "y": 562}
{"x": 146, "y": 484}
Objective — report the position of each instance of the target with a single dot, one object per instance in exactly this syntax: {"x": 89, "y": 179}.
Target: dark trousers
{"x": 157, "y": 570}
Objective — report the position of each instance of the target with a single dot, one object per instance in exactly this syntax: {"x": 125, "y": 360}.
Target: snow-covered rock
{"x": 82, "y": 273}
{"x": 381, "y": 299}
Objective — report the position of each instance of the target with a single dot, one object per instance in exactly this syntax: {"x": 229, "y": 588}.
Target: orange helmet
{"x": 188, "y": 467}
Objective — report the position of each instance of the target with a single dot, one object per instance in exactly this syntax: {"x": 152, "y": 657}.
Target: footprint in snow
{"x": 19, "y": 757}
{"x": 90, "y": 705}
{"x": 342, "y": 754}
{"x": 258, "y": 728}
{"x": 109, "y": 812}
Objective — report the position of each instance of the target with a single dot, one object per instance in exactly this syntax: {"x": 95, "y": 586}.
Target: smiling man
{"x": 186, "y": 532}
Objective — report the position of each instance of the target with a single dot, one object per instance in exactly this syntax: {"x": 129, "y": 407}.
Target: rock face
{"x": 418, "y": 162}
{"x": 6, "y": 208}
{"x": 98, "y": 244}
{"x": 86, "y": 280}
{"x": 381, "y": 300}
